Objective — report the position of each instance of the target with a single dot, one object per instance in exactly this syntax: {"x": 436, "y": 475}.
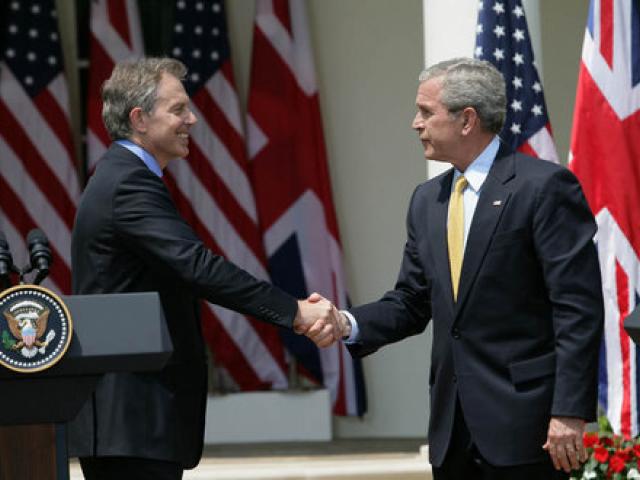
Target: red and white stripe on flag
{"x": 38, "y": 179}
{"x": 292, "y": 186}
{"x": 212, "y": 190}
{"x": 115, "y": 36}
{"x": 605, "y": 155}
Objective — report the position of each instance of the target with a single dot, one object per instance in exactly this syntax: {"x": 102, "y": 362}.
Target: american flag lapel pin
{"x": 497, "y": 203}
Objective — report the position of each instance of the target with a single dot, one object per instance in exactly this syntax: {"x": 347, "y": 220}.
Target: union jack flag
{"x": 38, "y": 180}
{"x": 502, "y": 38}
{"x": 605, "y": 155}
{"x": 293, "y": 190}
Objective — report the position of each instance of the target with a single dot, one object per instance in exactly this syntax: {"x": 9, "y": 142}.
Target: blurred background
{"x": 367, "y": 56}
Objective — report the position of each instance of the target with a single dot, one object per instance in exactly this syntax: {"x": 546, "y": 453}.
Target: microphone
{"x": 6, "y": 262}
{"x": 39, "y": 253}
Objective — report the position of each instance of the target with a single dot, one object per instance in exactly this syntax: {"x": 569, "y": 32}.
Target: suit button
{"x": 456, "y": 333}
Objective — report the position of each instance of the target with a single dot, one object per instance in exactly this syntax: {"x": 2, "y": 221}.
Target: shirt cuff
{"x": 355, "y": 331}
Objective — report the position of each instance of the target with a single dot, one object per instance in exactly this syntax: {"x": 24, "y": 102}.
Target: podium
{"x": 34, "y": 405}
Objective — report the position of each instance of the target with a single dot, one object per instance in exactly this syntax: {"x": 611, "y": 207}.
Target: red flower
{"x": 601, "y": 454}
{"x": 625, "y": 453}
{"x": 590, "y": 439}
{"x": 617, "y": 462}
{"x": 636, "y": 450}
{"x": 607, "y": 441}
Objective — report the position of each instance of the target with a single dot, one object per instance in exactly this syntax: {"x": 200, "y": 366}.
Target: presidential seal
{"x": 35, "y": 328}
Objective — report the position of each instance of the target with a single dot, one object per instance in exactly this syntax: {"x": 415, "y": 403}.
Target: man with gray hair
{"x": 129, "y": 237}
{"x": 499, "y": 254}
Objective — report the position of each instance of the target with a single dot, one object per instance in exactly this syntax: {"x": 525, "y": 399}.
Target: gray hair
{"x": 134, "y": 84}
{"x": 468, "y": 82}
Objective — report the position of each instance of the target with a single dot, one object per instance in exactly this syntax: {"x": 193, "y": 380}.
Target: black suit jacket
{"x": 129, "y": 237}
{"x": 522, "y": 342}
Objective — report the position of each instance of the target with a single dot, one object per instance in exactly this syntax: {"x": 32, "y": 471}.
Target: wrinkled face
{"x": 438, "y": 129}
{"x": 166, "y": 128}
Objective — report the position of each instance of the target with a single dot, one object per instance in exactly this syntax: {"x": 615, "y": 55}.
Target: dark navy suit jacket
{"x": 522, "y": 342}
{"x": 129, "y": 237}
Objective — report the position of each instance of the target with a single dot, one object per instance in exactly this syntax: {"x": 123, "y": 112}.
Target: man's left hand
{"x": 564, "y": 443}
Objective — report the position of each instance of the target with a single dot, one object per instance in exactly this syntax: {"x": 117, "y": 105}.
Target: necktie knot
{"x": 461, "y": 184}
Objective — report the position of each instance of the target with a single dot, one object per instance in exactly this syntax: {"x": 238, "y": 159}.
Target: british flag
{"x": 605, "y": 155}
{"x": 292, "y": 186}
{"x": 502, "y": 38}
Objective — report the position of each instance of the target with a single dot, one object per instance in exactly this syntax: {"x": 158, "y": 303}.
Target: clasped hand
{"x": 319, "y": 320}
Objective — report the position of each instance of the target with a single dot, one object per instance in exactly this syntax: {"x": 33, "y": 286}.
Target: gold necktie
{"x": 455, "y": 233}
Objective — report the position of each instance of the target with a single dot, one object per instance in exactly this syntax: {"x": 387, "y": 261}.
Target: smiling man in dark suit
{"x": 500, "y": 255}
{"x": 129, "y": 237}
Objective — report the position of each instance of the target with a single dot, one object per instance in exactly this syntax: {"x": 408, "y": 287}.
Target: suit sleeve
{"x": 401, "y": 312}
{"x": 145, "y": 217}
{"x": 563, "y": 236}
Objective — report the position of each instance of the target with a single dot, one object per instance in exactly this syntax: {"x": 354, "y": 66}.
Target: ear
{"x": 470, "y": 120}
{"x": 138, "y": 120}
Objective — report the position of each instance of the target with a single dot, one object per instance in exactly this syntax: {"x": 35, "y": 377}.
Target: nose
{"x": 191, "y": 118}
{"x": 418, "y": 122}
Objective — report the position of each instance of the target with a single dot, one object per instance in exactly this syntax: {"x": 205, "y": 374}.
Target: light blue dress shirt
{"x": 148, "y": 159}
{"x": 476, "y": 174}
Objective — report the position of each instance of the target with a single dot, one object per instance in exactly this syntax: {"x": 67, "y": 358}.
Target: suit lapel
{"x": 493, "y": 199}
{"x": 438, "y": 246}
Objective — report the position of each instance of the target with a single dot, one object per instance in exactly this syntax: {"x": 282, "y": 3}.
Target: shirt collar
{"x": 477, "y": 172}
{"x": 148, "y": 159}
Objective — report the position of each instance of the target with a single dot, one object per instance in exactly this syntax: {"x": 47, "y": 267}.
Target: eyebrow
{"x": 179, "y": 104}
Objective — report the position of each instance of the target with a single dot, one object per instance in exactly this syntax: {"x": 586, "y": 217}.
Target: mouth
{"x": 184, "y": 137}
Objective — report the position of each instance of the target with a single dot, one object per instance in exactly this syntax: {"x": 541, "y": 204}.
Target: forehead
{"x": 170, "y": 89}
{"x": 429, "y": 91}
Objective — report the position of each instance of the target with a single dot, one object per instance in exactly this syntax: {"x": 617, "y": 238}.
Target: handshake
{"x": 320, "y": 321}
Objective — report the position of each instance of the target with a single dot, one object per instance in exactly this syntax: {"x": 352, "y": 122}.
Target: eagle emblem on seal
{"x": 35, "y": 328}
{"x": 27, "y": 323}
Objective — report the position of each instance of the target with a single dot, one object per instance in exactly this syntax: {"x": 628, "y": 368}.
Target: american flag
{"x": 38, "y": 178}
{"x": 605, "y": 155}
{"x": 502, "y": 38}
{"x": 212, "y": 190}
{"x": 293, "y": 190}
{"x": 115, "y": 36}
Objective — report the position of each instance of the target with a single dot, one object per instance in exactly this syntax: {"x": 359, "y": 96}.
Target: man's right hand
{"x": 319, "y": 320}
